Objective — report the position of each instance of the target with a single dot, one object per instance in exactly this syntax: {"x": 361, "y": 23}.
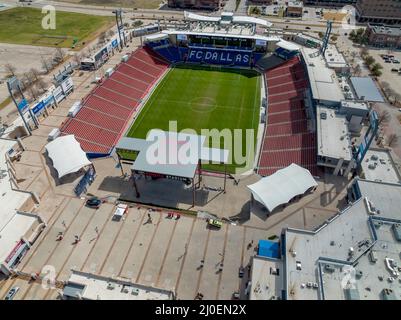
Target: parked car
{"x": 241, "y": 272}
{"x": 93, "y": 202}
{"x": 11, "y": 294}
{"x": 396, "y": 61}
{"x": 215, "y": 223}
{"x": 307, "y": 28}
{"x": 121, "y": 209}
{"x": 394, "y": 70}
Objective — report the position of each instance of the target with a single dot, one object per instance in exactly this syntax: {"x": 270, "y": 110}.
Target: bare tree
{"x": 384, "y": 117}
{"x": 33, "y": 92}
{"x": 392, "y": 140}
{"x": 397, "y": 97}
{"x": 46, "y": 64}
{"x": 29, "y": 78}
{"x": 36, "y": 73}
{"x": 102, "y": 38}
{"x": 357, "y": 70}
{"x": 385, "y": 86}
{"x": 10, "y": 68}
{"x": 41, "y": 84}
{"x": 77, "y": 58}
{"x": 111, "y": 33}
{"x": 364, "y": 52}
{"x": 59, "y": 55}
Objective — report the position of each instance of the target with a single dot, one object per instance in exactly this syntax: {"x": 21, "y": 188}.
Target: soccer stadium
{"x": 212, "y": 75}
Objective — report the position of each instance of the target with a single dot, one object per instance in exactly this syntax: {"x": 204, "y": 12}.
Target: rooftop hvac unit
{"x": 111, "y": 286}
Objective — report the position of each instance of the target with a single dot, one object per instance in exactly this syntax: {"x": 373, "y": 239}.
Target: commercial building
{"x": 383, "y": 36}
{"x": 383, "y": 11}
{"x": 334, "y": 140}
{"x": 295, "y": 8}
{"x": 87, "y": 286}
{"x": 196, "y": 4}
{"x": 379, "y": 166}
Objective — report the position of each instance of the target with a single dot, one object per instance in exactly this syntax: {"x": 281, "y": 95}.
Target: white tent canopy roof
{"x": 67, "y": 155}
{"x": 282, "y": 186}
{"x": 287, "y": 45}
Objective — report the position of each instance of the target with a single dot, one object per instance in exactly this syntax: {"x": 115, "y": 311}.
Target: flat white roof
{"x": 323, "y": 80}
{"x": 99, "y": 288}
{"x": 332, "y": 134}
{"x": 13, "y": 231}
{"x": 11, "y": 200}
{"x": 264, "y": 284}
{"x": 355, "y": 105}
{"x": 236, "y": 19}
{"x": 287, "y": 45}
{"x": 333, "y": 241}
{"x": 383, "y": 196}
{"x": 334, "y": 58}
{"x": 156, "y": 36}
{"x": 378, "y": 165}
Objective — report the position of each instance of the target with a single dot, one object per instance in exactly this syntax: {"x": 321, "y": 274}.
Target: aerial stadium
{"x": 216, "y": 73}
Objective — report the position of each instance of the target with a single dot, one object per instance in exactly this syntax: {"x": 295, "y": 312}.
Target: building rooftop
{"x": 297, "y": 4}
{"x": 355, "y": 105}
{"x": 379, "y": 166}
{"x": 335, "y": 262}
{"x": 94, "y": 287}
{"x": 332, "y": 134}
{"x": 323, "y": 80}
{"x": 366, "y": 89}
{"x": 385, "y": 29}
{"x": 266, "y": 279}
{"x": 334, "y": 58}
{"x": 383, "y": 196}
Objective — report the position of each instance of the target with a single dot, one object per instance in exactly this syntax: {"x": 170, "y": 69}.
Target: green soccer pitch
{"x": 203, "y": 98}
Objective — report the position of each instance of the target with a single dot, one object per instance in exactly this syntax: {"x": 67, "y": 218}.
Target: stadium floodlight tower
{"x": 326, "y": 37}
{"x": 120, "y": 26}
{"x": 16, "y": 93}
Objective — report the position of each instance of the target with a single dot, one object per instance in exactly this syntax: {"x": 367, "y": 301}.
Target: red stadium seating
{"x": 287, "y": 139}
{"x": 107, "y": 110}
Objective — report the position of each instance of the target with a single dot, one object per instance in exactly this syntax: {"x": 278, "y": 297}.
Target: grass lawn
{"x": 24, "y": 26}
{"x": 203, "y": 98}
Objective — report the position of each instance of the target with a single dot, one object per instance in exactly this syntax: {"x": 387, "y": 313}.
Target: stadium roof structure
{"x": 226, "y": 35}
{"x": 287, "y": 45}
{"x": 235, "y": 19}
{"x": 172, "y": 155}
{"x": 282, "y": 186}
{"x": 67, "y": 155}
{"x": 366, "y": 89}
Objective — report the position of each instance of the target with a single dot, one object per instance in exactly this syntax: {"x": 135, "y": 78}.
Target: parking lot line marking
{"x": 132, "y": 242}
{"x": 222, "y": 261}
{"x": 204, "y": 257}
{"x": 97, "y": 238}
{"x": 149, "y": 246}
{"x": 185, "y": 256}
{"x": 165, "y": 253}
{"x": 112, "y": 245}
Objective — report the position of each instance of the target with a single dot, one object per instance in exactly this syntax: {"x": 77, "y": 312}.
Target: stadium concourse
{"x": 287, "y": 138}
{"x": 108, "y": 108}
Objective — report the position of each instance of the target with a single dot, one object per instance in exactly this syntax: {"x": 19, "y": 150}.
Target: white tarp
{"x": 287, "y": 45}
{"x": 282, "y": 186}
{"x": 67, "y": 155}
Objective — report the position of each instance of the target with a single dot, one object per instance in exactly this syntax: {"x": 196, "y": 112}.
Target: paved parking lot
{"x": 163, "y": 252}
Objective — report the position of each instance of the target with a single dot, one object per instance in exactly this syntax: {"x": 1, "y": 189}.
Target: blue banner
{"x": 36, "y": 109}
{"x": 22, "y": 105}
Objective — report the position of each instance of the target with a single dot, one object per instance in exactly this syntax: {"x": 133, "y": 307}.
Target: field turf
{"x": 24, "y": 26}
{"x": 203, "y": 98}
